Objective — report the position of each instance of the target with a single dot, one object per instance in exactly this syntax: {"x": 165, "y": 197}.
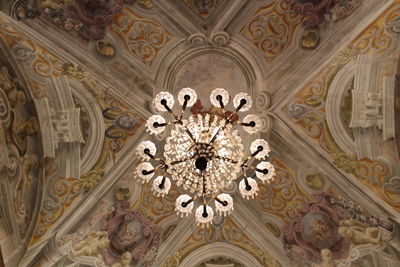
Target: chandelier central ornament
{"x": 204, "y": 154}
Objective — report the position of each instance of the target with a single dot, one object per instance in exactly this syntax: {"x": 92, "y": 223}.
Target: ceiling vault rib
{"x": 358, "y": 191}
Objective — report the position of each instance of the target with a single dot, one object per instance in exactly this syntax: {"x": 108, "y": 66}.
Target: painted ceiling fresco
{"x": 76, "y": 82}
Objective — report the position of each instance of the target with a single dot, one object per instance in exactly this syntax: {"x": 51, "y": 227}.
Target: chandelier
{"x": 203, "y": 154}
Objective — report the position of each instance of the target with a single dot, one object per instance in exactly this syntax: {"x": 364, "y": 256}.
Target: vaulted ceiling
{"x": 76, "y": 83}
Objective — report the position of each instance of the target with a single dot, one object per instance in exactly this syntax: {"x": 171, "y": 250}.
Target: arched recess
{"x": 176, "y": 60}
{"x": 166, "y": 77}
{"x": 219, "y": 249}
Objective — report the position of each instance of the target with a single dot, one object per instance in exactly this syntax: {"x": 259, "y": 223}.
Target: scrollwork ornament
{"x": 219, "y": 38}
{"x": 13, "y": 169}
{"x": 23, "y": 52}
{"x": 392, "y": 21}
{"x": 266, "y": 123}
{"x": 263, "y": 101}
{"x": 143, "y": 38}
{"x": 198, "y": 40}
{"x": 391, "y": 190}
{"x": 4, "y": 107}
{"x": 353, "y": 255}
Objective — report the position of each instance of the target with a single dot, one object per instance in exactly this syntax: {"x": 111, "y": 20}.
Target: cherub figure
{"x": 91, "y": 245}
{"x": 125, "y": 260}
{"x": 326, "y": 257}
{"x": 358, "y": 233}
{"x": 10, "y": 86}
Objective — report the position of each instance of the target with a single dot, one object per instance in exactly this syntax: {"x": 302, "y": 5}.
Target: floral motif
{"x": 282, "y": 197}
{"x": 142, "y": 37}
{"x": 223, "y": 230}
{"x": 64, "y": 190}
{"x": 272, "y": 28}
{"x": 308, "y": 109}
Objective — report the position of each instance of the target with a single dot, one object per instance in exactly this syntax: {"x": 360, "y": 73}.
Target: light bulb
{"x": 152, "y": 123}
{"x": 163, "y": 97}
{"x": 219, "y": 92}
{"x": 265, "y": 171}
{"x": 255, "y": 121}
{"x": 248, "y": 191}
{"x": 184, "y": 205}
{"x": 145, "y": 171}
{"x": 227, "y": 203}
{"x": 191, "y": 93}
{"x": 150, "y": 146}
{"x": 237, "y": 101}
{"x": 265, "y": 148}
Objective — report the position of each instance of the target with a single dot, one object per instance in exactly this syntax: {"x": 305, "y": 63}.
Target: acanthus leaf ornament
{"x": 203, "y": 154}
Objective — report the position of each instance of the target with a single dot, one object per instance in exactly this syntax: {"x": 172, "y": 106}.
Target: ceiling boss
{"x": 203, "y": 154}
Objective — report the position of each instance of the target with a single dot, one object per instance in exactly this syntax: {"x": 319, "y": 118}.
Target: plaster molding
{"x": 111, "y": 176}
{"x": 388, "y": 107}
{"x": 166, "y": 76}
{"x": 249, "y": 224}
{"x": 333, "y": 105}
{"x": 77, "y": 55}
{"x": 174, "y": 16}
{"x": 4, "y": 159}
{"x": 350, "y": 187}
{"x": 230, "y": 14}
{"x": 286, "y": 89}
{"x": 219, "y": 249}
{"x": 95, "y": 141}
{"x": 366, "y": 113}
{"x": 175, "y": 240}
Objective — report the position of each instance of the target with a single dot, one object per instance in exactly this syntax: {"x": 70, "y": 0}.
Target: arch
{"x": 95, "y": 140}
{"x": 335, "y": 94}
{"x": 219, "y": 249}
{"x": 235, "y": 51}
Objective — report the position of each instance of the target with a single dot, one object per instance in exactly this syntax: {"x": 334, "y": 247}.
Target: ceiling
{"x": 77, "y": 79}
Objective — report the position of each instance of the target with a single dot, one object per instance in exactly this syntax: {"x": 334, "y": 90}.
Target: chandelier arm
{"x": 249, "y": 124}
{"x": 187, "y": 98}
{"x": 227, "y": 159}
{"x": 264, "y": 171}
{"x": 146, "y": 172}
{"x": 162, "y": 184}
{"x": 147, "y": 152}
{"x": 164, "y": 103}
{"x": 242, "y": 103}
{"x": 204, "y": 186}
{"x": 219, "y": 98}
{"x": 190, "y": 134}
{"x": 182, "y": 160}
{"x": 228, "y": 120}
{"x": 259, "y": 149}
{"x": 157, "y": 124}
{"x": 223, "y": 203}
{"x": 214, "y": 137}
{"x": 248, "y": 186}
{"x": 184, "y": 204}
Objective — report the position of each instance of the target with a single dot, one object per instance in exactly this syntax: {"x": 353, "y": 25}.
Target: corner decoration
{"x": 204, "y": 153}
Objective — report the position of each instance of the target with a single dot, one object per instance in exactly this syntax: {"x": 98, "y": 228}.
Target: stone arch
{"x": 219, "y": 249}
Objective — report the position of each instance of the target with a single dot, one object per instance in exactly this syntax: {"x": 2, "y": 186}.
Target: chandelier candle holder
{"x": 204, "y": 154}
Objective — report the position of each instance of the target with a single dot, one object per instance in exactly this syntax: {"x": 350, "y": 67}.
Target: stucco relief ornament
{"x": 132, "y": 235}
{"x": 315, "y": 228}
{"x": 203, "y": 153}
